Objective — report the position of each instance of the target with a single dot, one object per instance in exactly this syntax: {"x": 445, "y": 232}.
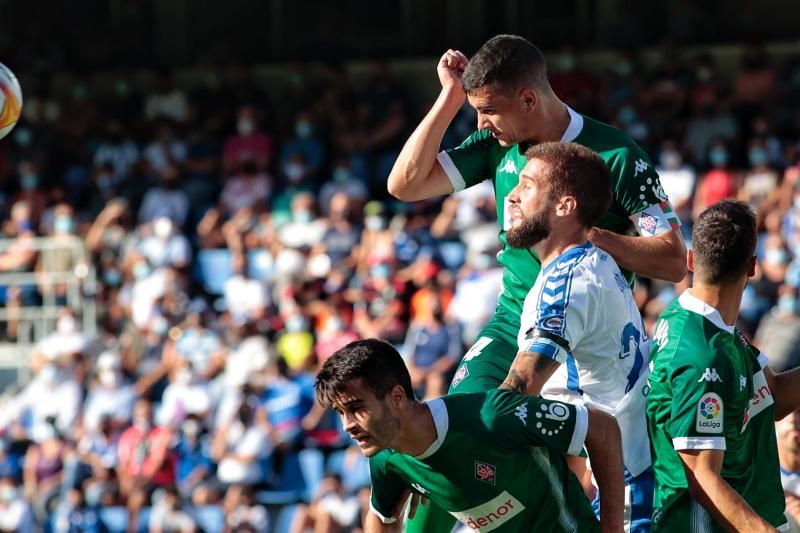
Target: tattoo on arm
{"x": 543, "y": 364}
{"x": 514, "y": 382}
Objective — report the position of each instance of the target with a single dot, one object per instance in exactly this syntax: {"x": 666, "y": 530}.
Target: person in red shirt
{"x": 145, "y": 460}
{"x": 719, "y": 183}
{"x": 249, "y": 144}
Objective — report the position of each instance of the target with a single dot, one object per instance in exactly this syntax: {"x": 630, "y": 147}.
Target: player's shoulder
{"x": 681, "y": 338}
{"x": 482, "y": 138}
{"x": 379, "y": 463}
{"x": 609, "y": 141}
{"x": 476, "y": 409}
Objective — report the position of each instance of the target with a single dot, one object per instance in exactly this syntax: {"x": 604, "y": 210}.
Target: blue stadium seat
{"x": 353, "y": 478}
{"x": 299, "y": 476}
{"x": 115, "y": 519}
{"x": 260, "y": 265}
{"x": 209, "y": 517}
{"x": 453, "y": 254}
{"x": 283, "y": 524}
{"x": 213, "y": 268}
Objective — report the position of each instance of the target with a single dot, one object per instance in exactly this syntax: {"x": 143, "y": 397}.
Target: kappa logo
{"x": 710, "y": 375}
{"x": 485, "y": 472}
{"x": 742, "y": 382}
{"x": 522, "y": 413}
{"x": 661, "y": 335}
{"x": 509, "y": 167}
{"x": 419, "y": 488}
{"x": 640, "y": 166}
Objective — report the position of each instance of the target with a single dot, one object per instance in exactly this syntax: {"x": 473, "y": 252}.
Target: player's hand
{"x": 451, "y": 69}
{"x": 413, "y": 503}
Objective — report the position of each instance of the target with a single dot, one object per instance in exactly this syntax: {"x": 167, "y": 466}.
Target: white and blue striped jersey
{"x": 581, "y": 313}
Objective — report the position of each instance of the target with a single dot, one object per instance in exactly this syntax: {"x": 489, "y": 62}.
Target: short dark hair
{"x": 724, "y": 241}
{"x": 374, "y": 361}
{"x": 577, "y": 171}
{"x": 507, "y": 61}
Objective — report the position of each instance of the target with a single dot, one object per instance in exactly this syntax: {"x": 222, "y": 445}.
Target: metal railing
{"x": 34, "y": 321}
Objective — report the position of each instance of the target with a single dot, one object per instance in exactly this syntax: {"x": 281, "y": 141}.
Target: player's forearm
{"x": 660, "y": 257}
{"x": 529, "y": 372}
{"x": 604, "y": 445}
{"x": 373, "y": 524}
{"x": 418, "y": 156}
{"x": 724, "y": 504}
{"x": 785, "y": 391}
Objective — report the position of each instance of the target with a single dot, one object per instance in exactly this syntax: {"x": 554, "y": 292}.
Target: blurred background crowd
{"x": 230, "y": 234}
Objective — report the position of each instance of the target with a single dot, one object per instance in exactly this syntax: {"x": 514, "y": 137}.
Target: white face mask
{"x": 183, "y": 376}
{"x": 245, "y": 127}
{"x": 49, "y": 373}
{"x": 66, "y": 325}
{"x": 109, "y": 378}
{"x": 162, "y": 227}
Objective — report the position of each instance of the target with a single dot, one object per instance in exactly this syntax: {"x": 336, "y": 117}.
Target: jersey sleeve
{"x": 701, "y": 387}
{"x": 560, "y": 319}
{"x": 639, "y": 193}
{"x": 469, "y": 163}
{"x": 387, "y": 488}
{"x": 519, "y": 420}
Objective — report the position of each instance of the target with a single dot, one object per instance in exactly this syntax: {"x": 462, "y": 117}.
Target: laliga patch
{"x": 485, "y": 472}
{"x": 461, "y": 373}
{"x": 709, "y": 414}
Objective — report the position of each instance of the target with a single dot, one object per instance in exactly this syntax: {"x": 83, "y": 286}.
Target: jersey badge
{"x": 485, "y": 472}
{"x": 709, "y": 414}
{"x": 522, "y": 413}
{"x": 554, "y": 323}
{"x": 461, "y": 373}
{"x": 710, "y": 375}
{"x": 509, "y": 167}
{"x": 648, "y": 224}
{"x": 640, "y": 166}
{"x": 742, "y": 382}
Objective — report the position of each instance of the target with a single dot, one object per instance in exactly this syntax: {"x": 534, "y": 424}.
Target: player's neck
{"x": 725, "y": 298}
{"x": 419, "y": 431}
{"x": 553, "y": 118}
{"x": 559, "y": 242}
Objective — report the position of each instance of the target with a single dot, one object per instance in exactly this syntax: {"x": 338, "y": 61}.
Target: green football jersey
{"x": 708, "y": 391}
{"x": 639, "y": 204}
{"x": 498, "y": 464}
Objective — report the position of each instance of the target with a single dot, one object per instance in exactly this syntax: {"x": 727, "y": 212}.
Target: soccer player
{"x": 495, "y": 460}
{"x": 506, "y": 82}
{"x": 582, "y": 338}
{"x": 713, "y": 401}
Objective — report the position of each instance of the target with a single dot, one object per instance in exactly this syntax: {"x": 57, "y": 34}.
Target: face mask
{"x": 380, "y": 271}
{"x": 303, "y": 130}
{"x": 108, "y": 378}
{"x": 374, "y": 223}
{"x": 718, "y": 157}
{"x": 28, "y": 181}
{"x": 670, "y": 159}
{"x": 245, "y": 127}
{"x": 341, "y": 174}
{"x": 63, "y": 224}
{"x": 295, "y": 324}
{"x": 627, "y": 115}
{"x": 162, "y": 227}
{"x": 787, "y": 304}
{"x": 141, "y": 270}
{"x": 8, "y": 493}
{"x": 566, "y": 62}
{"x": 159, "y": 326}
{"x": 183, "y": 376}
{"x": 23, "y": 137}
{"x": 294, "y": 171}
{"x": 757, "y": 156}
{"x": 66, "y": 325}
{"x": 303, "y": 216}
{"x": 112, "y": 278}
{"x": 49, "y": 373}
{"x": 776, "y": 256}
{"x": 191, "y": 428}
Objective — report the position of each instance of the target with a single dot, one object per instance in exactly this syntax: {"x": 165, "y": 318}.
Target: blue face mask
{"x": 787, "y": 304}
{"x": 757, "y": 156}
{"x": 112, "y": 278}
{"x": 341, "y": 174}
{"x": 627, "y": 115}
{"x": 29, "y": 181}
{"x": 718, "y": 157}
{"x": 63, "y": 224}
{"x": 776, "y": 256}
{"x": 303, "y": 130}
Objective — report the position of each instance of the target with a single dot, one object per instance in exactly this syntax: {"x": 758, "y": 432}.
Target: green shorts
{"x": 486, "y": 364}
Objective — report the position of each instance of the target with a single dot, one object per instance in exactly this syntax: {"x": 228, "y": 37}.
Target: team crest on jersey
{"x": 485, "y": 472}
{"x": 461, "y": 373}
{"x": 554, "y": 323}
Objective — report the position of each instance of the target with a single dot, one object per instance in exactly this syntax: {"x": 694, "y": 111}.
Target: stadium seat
{"x": 260, "y": 265}
{"x": 283, "y": 523}
{"x": 353, "y": 478}
{"x": 212, "y": 269}
{"x": 210, "y": 518}
{"x": 300, "y": 473}
{"x": 115, "y": 519}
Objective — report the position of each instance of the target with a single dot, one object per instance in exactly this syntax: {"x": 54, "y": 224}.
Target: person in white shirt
{"x": 581, "y": 339}
{"x": 186, "y": 394}
{"x": 112, "y": 396}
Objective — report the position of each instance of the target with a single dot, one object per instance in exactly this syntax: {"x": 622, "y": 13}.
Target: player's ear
{"x": 690, "y": 260}
{"x": 751, "y": 267}
{"x": 528, "y": 98}
{"x": 567, "y": 206}
{"x": 397, "y": 396}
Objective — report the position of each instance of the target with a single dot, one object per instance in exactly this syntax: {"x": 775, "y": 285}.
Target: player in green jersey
{"x": 506, "y": 82}
{"x": 495, "y": 460}
{"x": 713, "y": 401}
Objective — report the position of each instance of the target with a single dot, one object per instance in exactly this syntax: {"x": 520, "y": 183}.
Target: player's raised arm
{"x": 604, "y": 445}
{"x": 416, "y": 174}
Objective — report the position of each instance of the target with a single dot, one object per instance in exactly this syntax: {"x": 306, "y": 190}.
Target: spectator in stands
{"x": 249, "y": 188}
{"x": 43, "y": 470}
{"x": 342, "y": 235}
{"x": 61, "y": 257}
{"x": 343, "y": 181}
{"x": 331, "y": 509}
{"x": 711, "y": 120}
{"x": 198, "y": 344}
{"x": 165, "y": 150}
{"x": 31, "y": 191}
{"x": 194, "y": 466}
{"x": 164, "y": 245}
{"x": 166, "y": 101}
{"x": 246, "y": 298}
{"x": 187, "y": 393}
{"x": 166, "y": 200}
{"x": 117, "y": 150}
{"x": 15, "y": 511}
{"x": 249, "y": 143}
{"x": 788, "y": 431}
{"x": 477, "y": 288}
{"x": 73, "y": 515}
{"x": 778, "y": 333}
{"x": 146, "y": 461}
{"x": 93, "y": 464}
{"x": 306, "y": 141}
{"x": 111, "y": 397}
{"x": 243, "y": 513}
{"x": 759, "y": 183}
{"x": 719, "y": 183}
{"x": 168, "y": 516}
{"x": 241, "y": 444}
{"x": 678, "y": 180}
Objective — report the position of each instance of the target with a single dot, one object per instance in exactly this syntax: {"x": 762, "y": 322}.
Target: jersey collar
{"x": 441, "y": 421}
{"x": 575, "y": 126}
{"x": 696, "y": 305}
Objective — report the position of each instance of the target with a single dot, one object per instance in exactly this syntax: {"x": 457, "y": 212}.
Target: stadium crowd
{"x": 240, "y": 236}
